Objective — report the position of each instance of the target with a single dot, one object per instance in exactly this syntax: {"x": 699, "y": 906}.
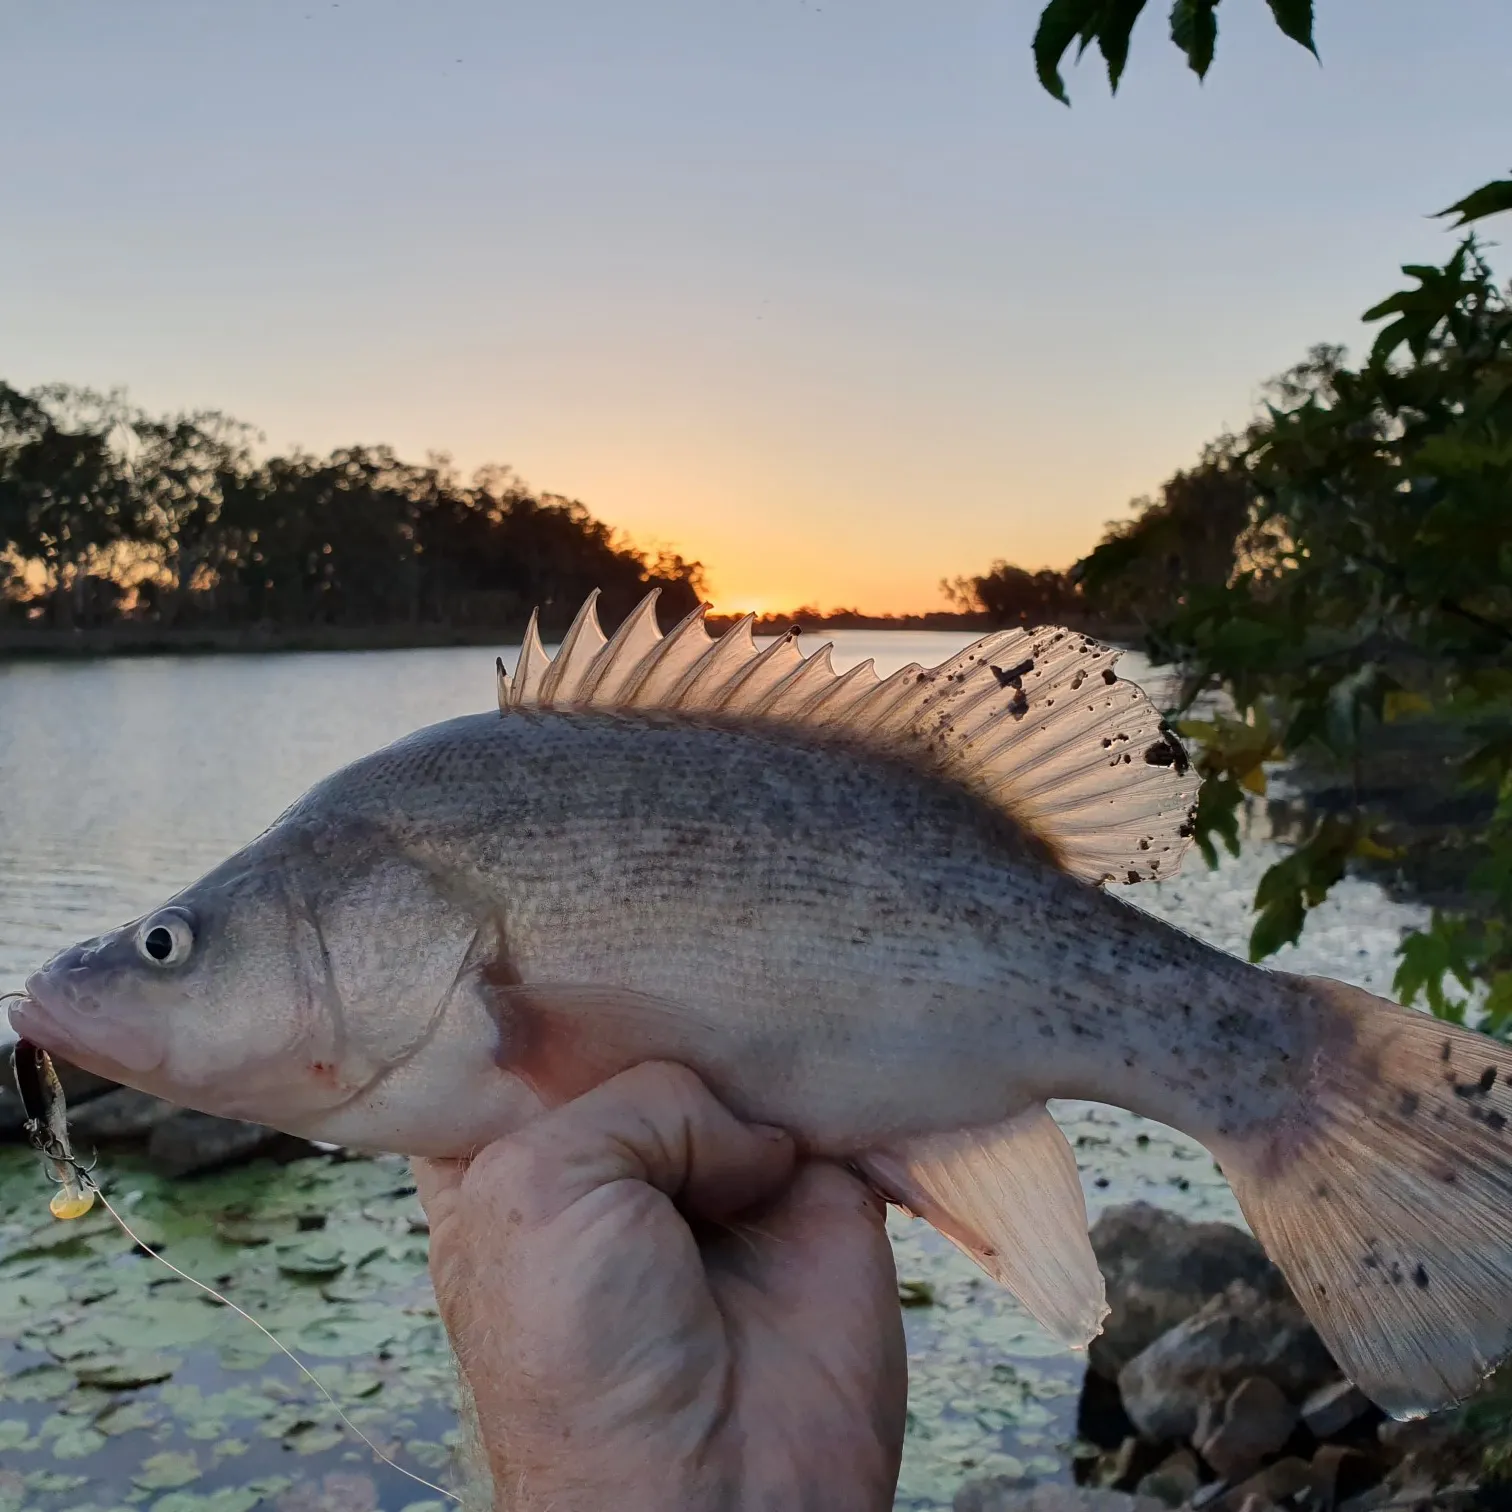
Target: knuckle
{"x": 682, "y": 1087}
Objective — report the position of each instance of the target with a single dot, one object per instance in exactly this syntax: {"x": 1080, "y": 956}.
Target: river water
{"x": 123, "y": 779}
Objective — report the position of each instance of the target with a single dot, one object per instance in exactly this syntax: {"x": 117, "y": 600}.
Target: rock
{"x": 121, "y": 1113}
{"x": 1332, "y": 1408}
{"x": 1275, "y": 1483}
{"x": 1100, "y": 1415}
{"x": 1174, "y": 1480}
{"x": 1340, "y": 1474}
{"x": 1004, "y": 1493}
{"x": 190, "y": 1142}
{"x": 1257, "y": 1421}
{"x": 1240, "y": 1333}
{"x": 1118, "y": 1469}
{"x": 1160, "y": 1269}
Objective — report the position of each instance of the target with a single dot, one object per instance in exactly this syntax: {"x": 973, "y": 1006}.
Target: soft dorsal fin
{"x": 1036, "y": 721}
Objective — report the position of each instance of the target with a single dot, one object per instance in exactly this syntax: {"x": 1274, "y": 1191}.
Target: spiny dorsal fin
{"x": 1036, "y": 721}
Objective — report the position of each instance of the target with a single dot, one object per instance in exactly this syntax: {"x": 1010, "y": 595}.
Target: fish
{"x": 884, "y": 914}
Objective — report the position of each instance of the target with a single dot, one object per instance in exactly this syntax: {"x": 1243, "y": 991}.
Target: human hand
{"x": 657, "y": 1310}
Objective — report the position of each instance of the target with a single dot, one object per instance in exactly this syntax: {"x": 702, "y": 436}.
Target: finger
{"x": 657, "y": 1124}
{"x": 434, "y": 1178}
{"x": 825, "y": 1210}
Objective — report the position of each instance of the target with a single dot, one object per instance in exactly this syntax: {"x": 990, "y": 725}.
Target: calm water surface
{"x": 122, "y": 780}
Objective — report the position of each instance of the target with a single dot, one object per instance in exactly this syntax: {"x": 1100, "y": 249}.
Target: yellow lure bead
{"x": 68, "y": 1205}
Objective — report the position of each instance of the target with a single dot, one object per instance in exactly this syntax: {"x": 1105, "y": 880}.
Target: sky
{"x": 830, "y": 296}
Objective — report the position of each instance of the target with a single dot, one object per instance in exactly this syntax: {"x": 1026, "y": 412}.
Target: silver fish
{"x": 872, "y": 912}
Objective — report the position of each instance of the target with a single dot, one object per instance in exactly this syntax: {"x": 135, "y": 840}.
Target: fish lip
{"x": 32, "y": 1022}
{"x": 43, "y": 1017}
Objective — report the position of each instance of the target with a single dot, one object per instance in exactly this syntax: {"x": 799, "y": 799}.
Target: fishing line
{"x": 315, "y": 1380}
{"x": 46, "y": 1125}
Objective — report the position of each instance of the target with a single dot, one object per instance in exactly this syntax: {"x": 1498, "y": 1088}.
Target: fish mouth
{"x": 56, "y": 1018}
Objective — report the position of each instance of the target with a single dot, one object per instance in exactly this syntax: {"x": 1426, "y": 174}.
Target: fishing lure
{"x": 46, "y": 1112}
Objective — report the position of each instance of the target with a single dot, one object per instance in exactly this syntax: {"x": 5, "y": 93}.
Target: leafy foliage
{"x": 1110, "y": 23}
{"x": 1365, "y": 626}
{"x": 1178, "y": 543}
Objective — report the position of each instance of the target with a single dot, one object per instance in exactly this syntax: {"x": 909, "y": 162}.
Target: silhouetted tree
{"x": 175, "y": 520}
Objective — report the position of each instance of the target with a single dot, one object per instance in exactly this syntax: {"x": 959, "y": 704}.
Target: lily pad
{"x": 227, "y": 1499}
{"x": 77, "y": 1443}
{"x": 38, "y": 1383}
{"x": 166, "y": 1472}
{"x": 125, "y": 1370}
{"x": 317, "y": 1256}
{"x": 54, "y": 1482}
{"x": 15, "y": 1433}
{"x": 127, "y": 1417}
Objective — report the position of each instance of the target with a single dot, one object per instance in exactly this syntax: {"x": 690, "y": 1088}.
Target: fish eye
{"x": 165, "y": 939}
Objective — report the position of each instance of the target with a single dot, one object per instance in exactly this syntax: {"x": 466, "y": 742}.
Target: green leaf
{"x": 1280, "y": 922}
{"x": 1114, "y": 25}
{"x": 14, "y": 1433}
{"x": 1498, "y": 1005}
{"x": 1194, "y": 29}
{"x": 1490, "y": 199}
{"x": 1295, "y": 18}
{"x": 1218, "y": 803}
{"x": 1060, "y": 24}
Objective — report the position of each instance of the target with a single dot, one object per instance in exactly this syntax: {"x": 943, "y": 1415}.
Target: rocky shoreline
{"x": 1209, "y": 1390}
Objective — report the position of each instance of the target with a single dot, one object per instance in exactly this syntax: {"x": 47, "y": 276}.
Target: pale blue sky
{"x": 830, "y": 295}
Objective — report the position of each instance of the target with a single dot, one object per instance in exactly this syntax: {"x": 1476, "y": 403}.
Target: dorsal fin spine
{"x": 582, "y": 643}
{"x": 531, "y": 669}
{"x": 624, "y": 651}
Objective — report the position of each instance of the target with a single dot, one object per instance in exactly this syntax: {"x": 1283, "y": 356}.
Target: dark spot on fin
{"x": 1168, "y": 751}
{"x": 1012, "y": 677}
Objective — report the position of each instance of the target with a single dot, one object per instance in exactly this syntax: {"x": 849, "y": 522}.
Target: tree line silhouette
{"x": 109, "y": 515}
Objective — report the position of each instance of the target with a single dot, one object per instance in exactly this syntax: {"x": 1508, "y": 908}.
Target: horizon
{"x": 833, "y": 299}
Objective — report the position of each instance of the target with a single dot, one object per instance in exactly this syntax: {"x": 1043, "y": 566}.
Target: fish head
{"x": 322, "y": 982}
{"x": 204, "y": 1001}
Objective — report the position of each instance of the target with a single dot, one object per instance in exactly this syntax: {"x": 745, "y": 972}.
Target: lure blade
{"x": 46, "y": 1112}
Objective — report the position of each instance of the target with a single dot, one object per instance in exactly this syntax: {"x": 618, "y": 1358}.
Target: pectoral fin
{"x": 1009, "y": 1196}
{"x": 563, "y": 1039}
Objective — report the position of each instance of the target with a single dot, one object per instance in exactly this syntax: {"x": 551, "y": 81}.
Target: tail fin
{"x": 1388, "y": 1202}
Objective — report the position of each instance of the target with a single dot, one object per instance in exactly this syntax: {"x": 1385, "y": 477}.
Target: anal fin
{"x": 1010, "y": 1197}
